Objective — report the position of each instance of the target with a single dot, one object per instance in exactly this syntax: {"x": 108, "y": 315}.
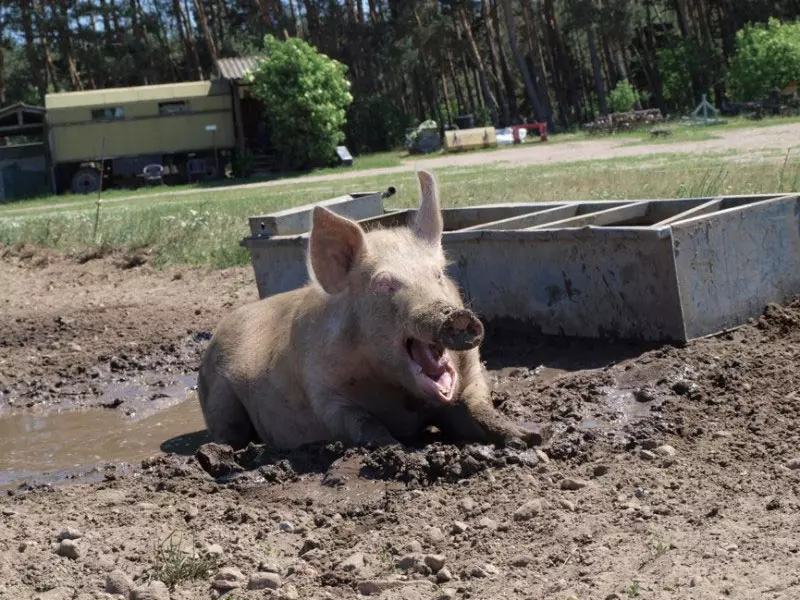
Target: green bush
{"x": 305, "y": 95}
{"x": 767, "y": 56}
{"x": 622, "y": 97}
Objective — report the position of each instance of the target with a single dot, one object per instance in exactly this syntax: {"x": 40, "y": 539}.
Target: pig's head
{"x": 393, "y": 297}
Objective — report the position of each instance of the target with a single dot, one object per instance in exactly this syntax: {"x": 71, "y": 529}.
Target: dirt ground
{"x": 668, "y": 473}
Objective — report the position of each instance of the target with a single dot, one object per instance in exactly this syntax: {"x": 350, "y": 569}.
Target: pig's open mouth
{"x": 433, "y": 370}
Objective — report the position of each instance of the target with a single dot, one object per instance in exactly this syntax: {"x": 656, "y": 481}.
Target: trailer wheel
{"x": 86, "y": 181}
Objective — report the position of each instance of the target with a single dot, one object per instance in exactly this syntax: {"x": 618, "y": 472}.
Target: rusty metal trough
{"x": 659, "y": 270}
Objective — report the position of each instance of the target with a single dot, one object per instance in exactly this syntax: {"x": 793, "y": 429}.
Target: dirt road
{"x": 745, "y": 142}
{"x": 669, "y": 472}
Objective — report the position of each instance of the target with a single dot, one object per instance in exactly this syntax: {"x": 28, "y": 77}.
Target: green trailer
{"x": 179, "y": 132}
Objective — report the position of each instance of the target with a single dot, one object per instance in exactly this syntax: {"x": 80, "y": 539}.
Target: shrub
{"x": 305, "y": 95}
{"x": 767, "y": 56}
{"x": 622, "y": 97}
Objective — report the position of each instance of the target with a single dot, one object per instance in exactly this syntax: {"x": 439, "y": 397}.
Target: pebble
{"x": 528, "y": 510}
{"x": 414, "y": 546}
{"x": 600, "y": 470}
{"x": 269, "y": 566}
{"x": 487, "y": 523}
{"x": 644, "y": 395}
{"x": 286, "y": 526}
{"x": 118, "y": 583}
{"x": 491, "y": 569}
{"x": 721, "y": 434}
{"x": 522, "y": 560}
{"x": 566, "y": 504}
{"x": 467, "y": 504}
{"x": 435, "y": 534}
{"x": 794, "y": 464}
{"x": 24, "y": 545}
{"x": 446, "y": 594}
{"x": 459, "y": 527}
{"x": 69, "y": 534}
{"x": 264, "y": 581}
{"x": 647, "y": 455}
{"x": 444, "y": 575}
{"x": 59, "y": 593}
{"x": 435, "y": 562}
{"x": 155, "y": 590}
{"x": 227, "y": 579}
{"x": 540, "y": 454}
{"x": 666, "y": 451}
{"x": 478, "y": 572}
{"x": 289, "y": 592}
{"x": 354, "y": 562}
{"x": 773, "y": 504}
{"x": 407, "y": 562}
{"x": 372, "y": 587}
{"x": 68, "y": 548}
{"x": 8, "y": 512}
{"x": 573, "y": 484}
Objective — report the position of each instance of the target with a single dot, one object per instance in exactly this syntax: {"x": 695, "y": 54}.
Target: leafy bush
{"x": 767, "y": 56}
{"x": 305, "y": 95}
{"x": 622, "y": 97}
{"x": 375, "y": 123}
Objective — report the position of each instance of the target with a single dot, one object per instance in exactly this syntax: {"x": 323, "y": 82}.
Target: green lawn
{"x": 206, "y": 225}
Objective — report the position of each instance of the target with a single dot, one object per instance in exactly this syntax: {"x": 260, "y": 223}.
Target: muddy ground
{"x": 669, "y": 473}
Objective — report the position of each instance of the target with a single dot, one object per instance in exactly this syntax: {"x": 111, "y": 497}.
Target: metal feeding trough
{"x": 660, "y": 270}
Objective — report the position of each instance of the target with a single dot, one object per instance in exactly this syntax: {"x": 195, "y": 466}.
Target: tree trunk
{"x": 597, "y": 72}
{"x": 50, "y": 67}
{"x": 39, "y": 77}
{"x": 462, "y": 105}
{"x": 209, "y": 37}
{"x": 508, "y": 79}
{"x": 488, "y": 97}
{"x": 537, "y": 59}
{"x": 261, "y": 5}
{"x": 530, "y": 86}
{"x": 67, "y": 49}
{"x": 494, "y": 61}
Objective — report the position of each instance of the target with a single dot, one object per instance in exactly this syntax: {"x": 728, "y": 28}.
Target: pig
{"x": 377, "y": 346}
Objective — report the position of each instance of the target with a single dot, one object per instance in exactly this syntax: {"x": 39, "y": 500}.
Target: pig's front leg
{"x": 475, "y": 419}
{"x": 347, "y": 422}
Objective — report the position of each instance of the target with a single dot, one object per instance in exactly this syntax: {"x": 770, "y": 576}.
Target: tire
{"x": 86, "y": 181}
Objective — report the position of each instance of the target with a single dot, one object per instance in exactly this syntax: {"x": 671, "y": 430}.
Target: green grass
{"x": 205, "y": 226}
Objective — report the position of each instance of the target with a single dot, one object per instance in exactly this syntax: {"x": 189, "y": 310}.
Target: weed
{"x": 175, "y": 563}
{"x": 633, "y": 589}
{"x": 660, "y": 548}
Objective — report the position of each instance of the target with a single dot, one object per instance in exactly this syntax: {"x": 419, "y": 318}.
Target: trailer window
{"x": 108, "y": 114}
{"x": 173, "y": 108}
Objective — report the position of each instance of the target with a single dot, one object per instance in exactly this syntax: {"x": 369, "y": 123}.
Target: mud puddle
{"x": 53, "y": 446}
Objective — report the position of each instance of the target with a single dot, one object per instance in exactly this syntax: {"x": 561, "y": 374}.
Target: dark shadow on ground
{"x": 186, "y": 444}
{"x": 510, "y": 343}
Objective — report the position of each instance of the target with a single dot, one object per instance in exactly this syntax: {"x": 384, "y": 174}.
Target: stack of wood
{"x": 625, "y": 121}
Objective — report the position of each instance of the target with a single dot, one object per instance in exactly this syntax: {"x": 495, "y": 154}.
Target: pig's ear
{"x": 335, "y": 246}
{"x": 428, "y": 224}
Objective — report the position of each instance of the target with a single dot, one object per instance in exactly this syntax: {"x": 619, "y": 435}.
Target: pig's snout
{"x": 461, "y": 330}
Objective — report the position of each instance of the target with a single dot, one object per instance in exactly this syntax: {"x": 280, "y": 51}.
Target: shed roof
{"x": 21, "y": 119}
{"x": 110, "y": 96}
{"x": 233, "y": 69}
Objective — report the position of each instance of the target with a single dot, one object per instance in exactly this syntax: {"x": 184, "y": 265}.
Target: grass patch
{"x": 175, "y": 563}
{"x": 206, "y": 226}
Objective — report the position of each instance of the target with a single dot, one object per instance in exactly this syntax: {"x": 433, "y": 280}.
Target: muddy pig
{"x": 376, "y": 347}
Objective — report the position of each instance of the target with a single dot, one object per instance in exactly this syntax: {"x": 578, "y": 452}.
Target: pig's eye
{"x": 439, "y": 275}
{"x": 384, "y": 283}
